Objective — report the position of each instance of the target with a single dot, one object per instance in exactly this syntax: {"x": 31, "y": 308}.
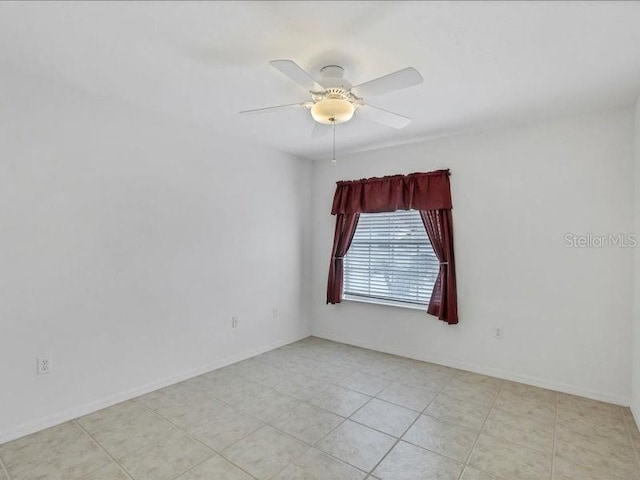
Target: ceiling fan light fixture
{"x": 332, "y": 111}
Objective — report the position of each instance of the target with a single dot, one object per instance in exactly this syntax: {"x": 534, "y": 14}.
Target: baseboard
{"x": 87, "y": 408}
{"x": 493, "y": 372}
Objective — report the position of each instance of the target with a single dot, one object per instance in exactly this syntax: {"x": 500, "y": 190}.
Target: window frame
{"x": 390, "y": 302}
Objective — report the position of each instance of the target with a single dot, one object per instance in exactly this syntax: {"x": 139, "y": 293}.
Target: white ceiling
{"x": 484, "y": 64}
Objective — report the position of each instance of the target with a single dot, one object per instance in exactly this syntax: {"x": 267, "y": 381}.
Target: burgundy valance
{"x": 418, "y": 191}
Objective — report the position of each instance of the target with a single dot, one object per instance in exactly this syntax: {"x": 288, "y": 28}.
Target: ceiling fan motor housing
{"x": 333, "y": 77}
{"x": 334, "y": 106}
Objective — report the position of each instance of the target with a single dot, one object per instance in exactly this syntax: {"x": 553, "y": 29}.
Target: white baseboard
{"x": 87, "y": 408}
{"x": 493, "y": 372}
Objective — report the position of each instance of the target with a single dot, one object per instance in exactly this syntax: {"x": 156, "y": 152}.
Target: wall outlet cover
{"x": 44, "y": 365}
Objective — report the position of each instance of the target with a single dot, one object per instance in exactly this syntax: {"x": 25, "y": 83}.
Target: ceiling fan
{"x": 334, "y": 100}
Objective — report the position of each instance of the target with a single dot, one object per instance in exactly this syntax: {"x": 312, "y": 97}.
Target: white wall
{"x": 635, "y": 380}
{"x": 566, "y": 313}
{"x": 127, "y": 244}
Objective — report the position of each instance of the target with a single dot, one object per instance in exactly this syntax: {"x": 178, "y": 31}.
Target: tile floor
{"x": 322, "y": 410}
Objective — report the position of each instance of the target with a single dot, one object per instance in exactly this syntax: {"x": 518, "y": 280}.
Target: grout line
{"x": 4, "y": 468}
{"x": 313, "y": 446}
{"x": 555, "y": 433}
{"x": 344, "y": 419}
{"x": 198, "y": 441}
{"x": 264, "y": 424}
{"x": 409, "y": 427}
{"x": 633, "y": 446}
{"x": 484, "y": 424}
{"x": 269, "y": 424}
{"x": 75, "y": 421}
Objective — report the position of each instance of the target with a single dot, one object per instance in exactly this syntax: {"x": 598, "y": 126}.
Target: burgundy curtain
{"x": 444, "y": 298}
{"x": 346, "y": 224}
{"x": 428, "y": 192}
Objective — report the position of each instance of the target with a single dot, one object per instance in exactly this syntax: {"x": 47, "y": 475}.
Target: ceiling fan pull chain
{"x": 333, "y": 160}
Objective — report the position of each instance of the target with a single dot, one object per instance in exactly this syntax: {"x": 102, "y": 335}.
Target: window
{"x": 390, "y": 260}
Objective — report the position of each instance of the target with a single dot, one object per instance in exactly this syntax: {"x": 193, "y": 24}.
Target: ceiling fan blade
{"x": 292, "y": 70}
{"x": 384, "y": 117}
{"x": 320, "y": 130}
{"x": 271, "y": 109}
{"x": 407, "y": 77}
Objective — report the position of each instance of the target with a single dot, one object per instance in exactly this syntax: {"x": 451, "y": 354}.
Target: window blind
{"x": 391, "y": 258}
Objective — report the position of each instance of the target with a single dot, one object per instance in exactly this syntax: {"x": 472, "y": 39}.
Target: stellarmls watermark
{"x": 591, "y": 240}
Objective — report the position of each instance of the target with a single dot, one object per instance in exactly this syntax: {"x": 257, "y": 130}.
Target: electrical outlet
{"x": 234, "y": 321}
{"x": 44, "y": 365}
{"x": 275, "y": 313}
{"x": 499, "y": 334}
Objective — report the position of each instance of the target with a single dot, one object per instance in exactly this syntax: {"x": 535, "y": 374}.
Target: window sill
{"x": 386, "y": 303}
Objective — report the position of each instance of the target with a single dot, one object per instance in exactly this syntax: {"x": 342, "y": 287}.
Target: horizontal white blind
{"x": 391, "y": 258}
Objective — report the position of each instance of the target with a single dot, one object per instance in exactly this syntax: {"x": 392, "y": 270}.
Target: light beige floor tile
{"x": 477, "y": 378}
{"x": 363, "y": 383}
{"x": 301, "y": 389}
{"x": 357, "y": 445}
{"x": 463, "y": 413}
{"x": 542, "y": 411}
{"x": 431, "y": 380}
{"x": 565, "y": 470}
{"x": 595, "y": 443}
{"x": 111, "y": 471}
{"x": 265, "y": 452}
{"x": 480, "y": 393}
{"x": 166, "y": 459}
{"x": 505, "y": 459}
{"x": 520, "y": 430}
{"x": 471, "y": 473}
{"x": 242, "y": 368}
{"x": 634, "y": 435}
{"x": 169, "y": 395}
{"x": 341, "y": 361}
{"x": 220, "y": 384}
{"x": 431, "y": 368}
{"x": 45, "y": 443}
{"x": 408, "y": 462}
{"x": 64, "y": 451}
{"x": 188, "y": 409}
{"x": 415, "y": 398}
{"x": 316, "y": 465}
{"x": 601, "y": 409}
{"x": 215, "y": 468}
{"x": 444, "y": 438}
{"x": 589, "y": 422}
{"x": 266, "y": 375}
{"x": 386, "y": 417}
{"x": 220, "y": 431}
{"x": 125, "y": 428}
{"x": 596, "y": 453}
{"x": 269, "y": 405}
{"x": 330, "y": 373}
{"x": 340, "y": 401}
{"x": 241, "y": 394}
{"x": 307, "y": 423}
{"x": 386, "y": 370}
{"x": 529, "y": 391}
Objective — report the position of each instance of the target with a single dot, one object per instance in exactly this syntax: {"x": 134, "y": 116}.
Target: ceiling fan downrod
{"x": 333, "y": 160}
